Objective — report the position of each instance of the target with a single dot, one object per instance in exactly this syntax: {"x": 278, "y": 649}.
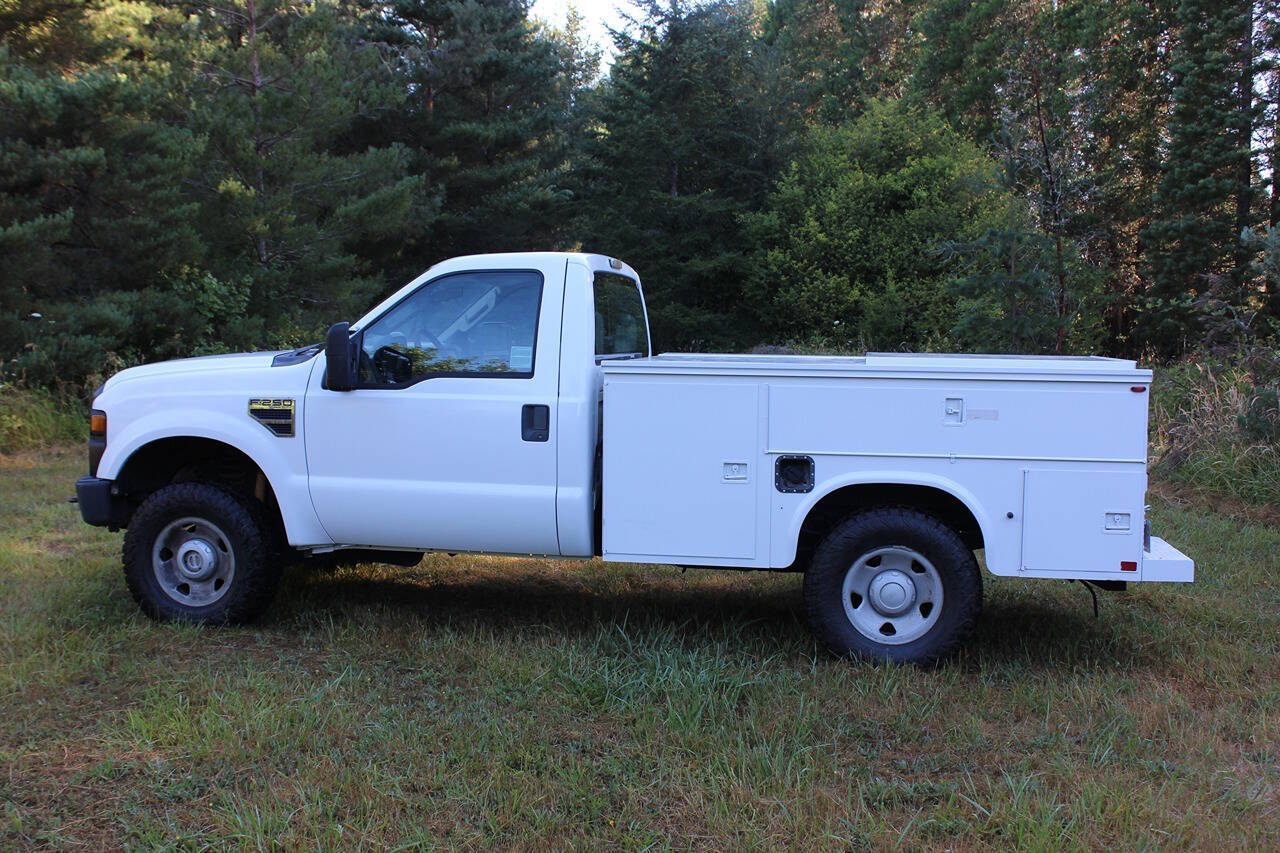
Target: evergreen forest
{"x": 1030, "y": 176}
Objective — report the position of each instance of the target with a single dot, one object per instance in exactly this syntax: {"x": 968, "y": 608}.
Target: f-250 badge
{"x": 274, "y": 414}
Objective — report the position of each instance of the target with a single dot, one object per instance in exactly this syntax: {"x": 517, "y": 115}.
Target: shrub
{"x": 1261, "y": 418}
{"x": 850, "y": 233}
{"x": 33, "y": 419}
{"x": 73, "y": 347}
{"x": 1217, "y": 425}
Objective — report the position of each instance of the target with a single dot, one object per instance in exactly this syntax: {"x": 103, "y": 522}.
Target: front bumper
{"x": 99, "y": 506}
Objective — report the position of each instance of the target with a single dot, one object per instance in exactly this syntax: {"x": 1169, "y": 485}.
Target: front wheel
{"x": 196, "y": 553}
{"x": 892, "y": 584}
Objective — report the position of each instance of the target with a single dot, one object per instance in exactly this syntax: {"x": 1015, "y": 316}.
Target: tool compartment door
{"x": 1083, "y": 523}
{"x": 680, "y": 470}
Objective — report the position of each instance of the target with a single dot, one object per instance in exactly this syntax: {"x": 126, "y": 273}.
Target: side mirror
{"x": 340, "y": 358}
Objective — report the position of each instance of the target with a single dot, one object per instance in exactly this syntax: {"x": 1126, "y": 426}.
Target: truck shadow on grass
{"x": 1037, "y": 635}
{"x": 759, "y": 615}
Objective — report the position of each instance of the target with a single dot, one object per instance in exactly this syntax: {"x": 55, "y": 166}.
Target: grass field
{"x": 511, "y": 703}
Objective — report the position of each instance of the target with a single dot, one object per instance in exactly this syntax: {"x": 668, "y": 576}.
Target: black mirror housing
{"x": 340, "y": 358}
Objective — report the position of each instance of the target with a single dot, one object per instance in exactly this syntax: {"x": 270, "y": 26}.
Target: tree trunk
{"x": 1053, "y": 200}
{"x": 1269, "y": 31}
{"x": 1273, "y": 210}
{"x": 1244, "y": 169}
{"x": 259, "y": 140}
{"x": 1013, "y": 276}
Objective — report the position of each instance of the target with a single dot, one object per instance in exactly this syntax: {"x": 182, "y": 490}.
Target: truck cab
{"x": 475, "y": 407}
{"x": 511, "y": 404}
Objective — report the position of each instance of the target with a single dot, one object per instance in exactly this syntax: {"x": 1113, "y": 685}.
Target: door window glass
{"x": 474, "y": 323}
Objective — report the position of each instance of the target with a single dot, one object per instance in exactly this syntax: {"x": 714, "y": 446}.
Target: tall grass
{"x": 1217, "y": 426}
{"x": 32, "y": 419}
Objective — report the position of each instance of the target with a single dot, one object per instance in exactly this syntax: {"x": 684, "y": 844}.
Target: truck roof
{"x": 918, "y": 365}
{"x": 505, "y": 258}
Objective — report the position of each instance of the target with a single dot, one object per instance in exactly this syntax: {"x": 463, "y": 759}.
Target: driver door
{"x": 446, "y": 443}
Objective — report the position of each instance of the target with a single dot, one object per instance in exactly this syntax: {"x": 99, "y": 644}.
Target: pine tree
{"x": 969, "y": 48}
{"x": 93, "y": 217}
{"x": 491, "y": 94}
{"x": 291, "y": 195}
{"x": 842, "y": 53}
{"x": 687, "y": 141}
{"x": 1193, "y": 242}
{"x": 1119, "y": 70}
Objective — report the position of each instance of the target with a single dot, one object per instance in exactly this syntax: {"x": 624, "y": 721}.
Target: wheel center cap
{"x": 197, "y": 559}
{"x": 892, "y": 592}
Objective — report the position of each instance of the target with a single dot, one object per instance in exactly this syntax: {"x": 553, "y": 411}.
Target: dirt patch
{"x": 67, "y": 795}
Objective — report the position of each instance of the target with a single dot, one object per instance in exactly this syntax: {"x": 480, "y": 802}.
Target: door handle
{"x": 535, "y": 422}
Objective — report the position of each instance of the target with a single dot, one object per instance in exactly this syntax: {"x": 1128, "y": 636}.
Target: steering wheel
{"x": 400, "y": 340}
{"x": 394, "y": 368}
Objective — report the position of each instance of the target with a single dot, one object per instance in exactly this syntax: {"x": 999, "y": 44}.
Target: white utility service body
{"x": 510, "y": 404}
{"x": 1049, "y": 454}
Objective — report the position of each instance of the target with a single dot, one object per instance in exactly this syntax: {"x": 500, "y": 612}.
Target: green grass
{"x": 516, "y": 703}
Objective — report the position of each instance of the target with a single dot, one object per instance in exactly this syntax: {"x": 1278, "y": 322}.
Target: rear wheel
{"x": 197, "y": 553}
{"x": 892, "y": 584}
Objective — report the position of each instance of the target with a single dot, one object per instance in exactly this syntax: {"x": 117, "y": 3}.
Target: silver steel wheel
{"x": 193, "y": 561}
{"x": 892, "y": 595}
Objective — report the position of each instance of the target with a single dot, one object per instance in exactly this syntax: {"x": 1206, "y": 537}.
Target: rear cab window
{"x": 621, "y": 329}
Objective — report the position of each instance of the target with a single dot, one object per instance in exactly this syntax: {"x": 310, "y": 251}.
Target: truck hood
{"x": 203, "y": 364}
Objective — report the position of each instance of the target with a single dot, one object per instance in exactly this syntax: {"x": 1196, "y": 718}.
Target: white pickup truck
{"x": 509, "y": 404}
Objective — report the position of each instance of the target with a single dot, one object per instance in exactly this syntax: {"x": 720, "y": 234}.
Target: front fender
{"x": 282, "y": 460}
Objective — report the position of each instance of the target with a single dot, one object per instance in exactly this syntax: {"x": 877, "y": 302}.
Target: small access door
{"x": 1083, "y": 523}
{"x": 448, "y": 442}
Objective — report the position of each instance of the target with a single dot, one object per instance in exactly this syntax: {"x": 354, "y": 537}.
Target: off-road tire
{"x": 256, "y": 576}
{"x": 862, "y": 533}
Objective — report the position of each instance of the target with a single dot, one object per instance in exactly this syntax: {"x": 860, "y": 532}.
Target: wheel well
{"x": 845, "y": 501}
{"x": 191, "y": 459}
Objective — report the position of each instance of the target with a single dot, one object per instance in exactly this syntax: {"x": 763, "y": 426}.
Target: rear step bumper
{"x": 1163, "y": 562}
